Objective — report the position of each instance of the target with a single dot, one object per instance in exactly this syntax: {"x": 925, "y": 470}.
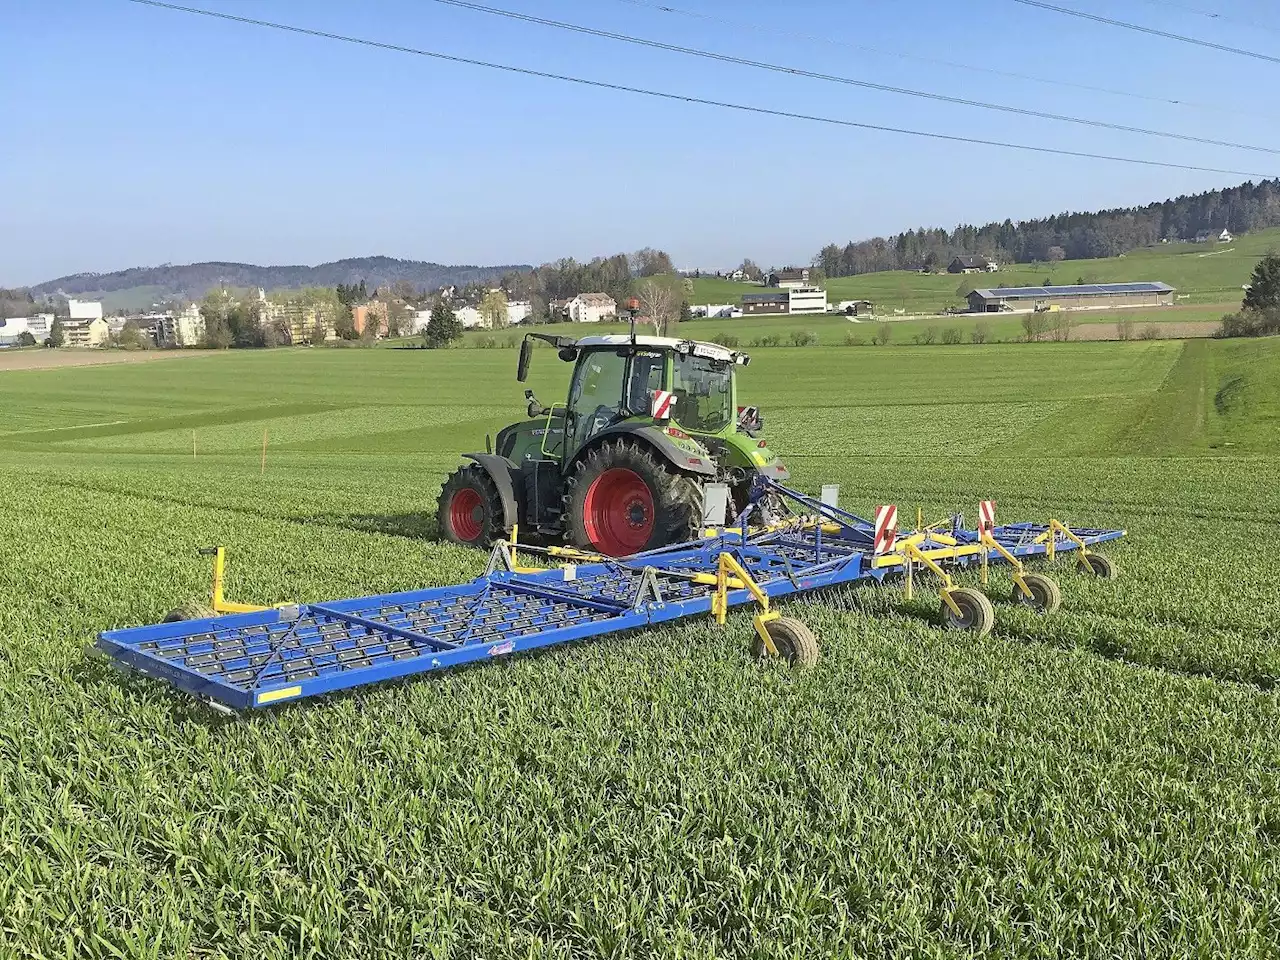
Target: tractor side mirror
{"x": 526, "y": 354}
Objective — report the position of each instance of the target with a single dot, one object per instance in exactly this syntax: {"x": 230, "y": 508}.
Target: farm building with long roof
{"x": 1082, "y": 296}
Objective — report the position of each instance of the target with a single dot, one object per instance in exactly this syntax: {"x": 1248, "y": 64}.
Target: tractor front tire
{"x": 470, "y": 509}
{"x": 623, "y": 498}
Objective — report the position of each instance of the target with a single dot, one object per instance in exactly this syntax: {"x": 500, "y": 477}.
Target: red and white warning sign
{"x": 661, "y": 407}
{"x": 986, "y": 516}
{"x": 886, "y": 529}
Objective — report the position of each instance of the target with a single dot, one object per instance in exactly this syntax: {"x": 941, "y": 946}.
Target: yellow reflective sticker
{"x": 284, "y": 693}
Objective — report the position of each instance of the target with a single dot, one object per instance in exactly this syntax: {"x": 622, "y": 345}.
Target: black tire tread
{"x": 1100, "y": 565}
{"x": 191, "y": 610}
{"x": 474, "y": 477}
{"x": 796, "y": 643}
{"x": 1046, "y": 594}
{"x": 976, "y": 601}
{"x": 677, "y": 496}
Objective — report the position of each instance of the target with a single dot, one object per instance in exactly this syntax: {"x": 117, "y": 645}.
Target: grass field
{"x": 1207, "y": 273}
{"x": 1102, "y": 782}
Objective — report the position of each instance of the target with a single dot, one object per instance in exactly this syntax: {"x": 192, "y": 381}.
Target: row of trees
{"x": 1071, "y": 236}
{"x": 617, "y": 276}
{"x": 21, "y": 302}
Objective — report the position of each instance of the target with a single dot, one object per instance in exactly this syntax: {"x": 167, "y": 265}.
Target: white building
{"x": 1225, "y": 236}
{"x": 806, "y": 300}
{"x": 85, "y": 309}
{"x": 469, "y": 317}
{"x": 418, "y": 322}
{"x": 186, "y": 329}
{"x": 592, "y": 307}
{"x": 11, "y": 329}
{"x": 518, "y": 311}
{"x": 715, "y": 311}
{"x": 40, "y": 325}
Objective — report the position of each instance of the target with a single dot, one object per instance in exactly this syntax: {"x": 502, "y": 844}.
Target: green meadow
{"x": 1099, "y": 782}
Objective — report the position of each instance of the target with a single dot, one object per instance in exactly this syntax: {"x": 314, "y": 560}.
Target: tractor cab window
{"x": 596, "y": 395}
{"x": 643, "y": 378}
{"x": 703, "y": 391}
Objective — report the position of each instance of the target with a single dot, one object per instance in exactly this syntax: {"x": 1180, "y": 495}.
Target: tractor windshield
{"x": 703, "y": 391}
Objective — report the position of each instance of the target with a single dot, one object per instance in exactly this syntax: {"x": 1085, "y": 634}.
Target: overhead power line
{"x": 685, "y": 98}
{"x": 917, "y": 58}
{"x": 1149, "y": 30}
{"x": 1214, "y": 15}
{"x": 848, "y": 81}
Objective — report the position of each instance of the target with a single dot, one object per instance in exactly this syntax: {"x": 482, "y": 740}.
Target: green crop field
{"x": 1204, "y": 273}
{"x": 1103, "y": 782}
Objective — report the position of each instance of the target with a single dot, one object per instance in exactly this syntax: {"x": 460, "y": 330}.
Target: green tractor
{"x": 620, "y": 468}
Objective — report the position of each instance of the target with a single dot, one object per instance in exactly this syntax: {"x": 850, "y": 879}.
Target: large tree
{"x": 649, "y": 262}
{"x": 1264, "y": 286}
{"x": 493, "y": 308}
{"x": 56, "y": 337}
{"x": 442, "y": 326}
{"x": 660, "y": 298}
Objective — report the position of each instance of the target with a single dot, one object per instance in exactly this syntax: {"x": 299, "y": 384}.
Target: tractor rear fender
{"x": 505, "y": 475}
{"x": 685, "y": 455}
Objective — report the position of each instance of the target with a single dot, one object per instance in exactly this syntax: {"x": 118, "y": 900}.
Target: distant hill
{"x": 1247, "y": 208}
{"x": 138, "y": 287}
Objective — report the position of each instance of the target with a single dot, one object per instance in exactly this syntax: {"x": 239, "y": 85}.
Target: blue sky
{"x": 149, "y": 136}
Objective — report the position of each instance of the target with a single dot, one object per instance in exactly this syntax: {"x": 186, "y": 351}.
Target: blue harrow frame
{"x": 269, "y": 656}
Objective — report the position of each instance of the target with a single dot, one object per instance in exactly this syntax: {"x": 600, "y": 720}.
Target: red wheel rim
{"x": 618, "y": 512}
{"x": 466, "y": 515}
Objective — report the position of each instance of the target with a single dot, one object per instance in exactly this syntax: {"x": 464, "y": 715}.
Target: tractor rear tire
{"x": 1046, "y": 595}
{"x": 976, "y": 612}
{"x": 1099, "y": 565}
{"x": 623, "y": 499}
{"x": 469, "y": 511}
{"x": 795, "y": 642}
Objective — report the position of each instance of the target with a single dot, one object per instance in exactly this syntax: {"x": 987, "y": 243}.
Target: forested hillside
{"x": 192, "y": 281}
{"x": 1066, "y": 236}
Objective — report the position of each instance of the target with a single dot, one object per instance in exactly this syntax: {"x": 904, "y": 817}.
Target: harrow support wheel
{"x": 192, "y": 610}
{"x": 1098, "y": 565}
{"x": 976, "y": 612}
{"x": 794, "y": 641}
{"x": 1046, "y": 595}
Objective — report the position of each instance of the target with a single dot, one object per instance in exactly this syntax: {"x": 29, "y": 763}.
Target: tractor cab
{"x": 619, "y": 466}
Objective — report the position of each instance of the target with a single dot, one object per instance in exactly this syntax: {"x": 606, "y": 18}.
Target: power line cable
{"x": 1149, "y": 30}
{"x": 685, "y": 98}
{"x": 848, "y": 81}
{"x": 1212, "y": 15}
{"x": 933, "y": 61}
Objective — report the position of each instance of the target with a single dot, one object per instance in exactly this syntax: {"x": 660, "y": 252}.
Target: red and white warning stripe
{"x": 661, "y": 407}
{"x": 886, "y": 529}
{"x": 986, "y": 516}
